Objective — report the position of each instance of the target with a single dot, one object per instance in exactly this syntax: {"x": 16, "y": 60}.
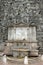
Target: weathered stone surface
{"x": 25, "y": 11}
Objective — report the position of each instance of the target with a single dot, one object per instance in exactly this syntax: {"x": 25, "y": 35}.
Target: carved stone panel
{"x": 22, "y": 33}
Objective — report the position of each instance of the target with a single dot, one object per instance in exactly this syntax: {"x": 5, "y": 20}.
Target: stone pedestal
{"x": 23, "y": 41}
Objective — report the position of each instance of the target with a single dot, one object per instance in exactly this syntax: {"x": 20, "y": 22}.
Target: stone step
{"x": 34, "y": 53}
{"x": 23, "y": 53}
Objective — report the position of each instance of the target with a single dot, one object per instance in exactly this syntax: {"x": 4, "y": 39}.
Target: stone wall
{"x": 16, "y": 11}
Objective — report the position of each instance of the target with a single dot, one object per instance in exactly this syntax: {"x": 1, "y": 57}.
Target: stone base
{"x": 20, "y": 54}
{"x": 34, "y": 53}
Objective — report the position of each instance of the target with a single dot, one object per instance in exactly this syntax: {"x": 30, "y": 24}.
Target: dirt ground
{"x": 31, "y": 61}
